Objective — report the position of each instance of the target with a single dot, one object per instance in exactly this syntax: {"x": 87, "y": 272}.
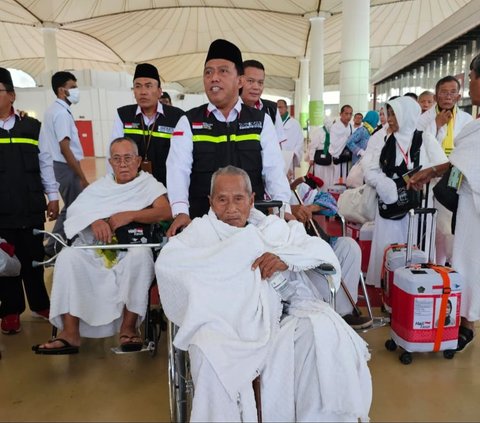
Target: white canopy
{"x": 174, "y": 35}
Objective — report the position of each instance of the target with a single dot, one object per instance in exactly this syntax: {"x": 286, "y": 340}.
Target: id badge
{"x": 455, "y": 178}
{"x": 146, "y": 166}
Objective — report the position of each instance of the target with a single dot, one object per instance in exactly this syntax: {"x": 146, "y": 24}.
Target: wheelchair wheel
{"x": 179, "y": 380}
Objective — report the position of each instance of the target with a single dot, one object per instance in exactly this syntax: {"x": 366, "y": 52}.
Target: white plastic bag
{"x": 355, "y": 176}
{"x": 9, "y": 266}
{"x": 358, "y": 204}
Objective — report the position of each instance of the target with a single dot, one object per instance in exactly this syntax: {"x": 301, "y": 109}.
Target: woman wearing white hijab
{"x": 318, "y": 138}
{"x": 403, "y": 113}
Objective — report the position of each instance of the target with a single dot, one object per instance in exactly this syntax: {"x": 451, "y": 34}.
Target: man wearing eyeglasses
{"x": 149, "y": 122}
{"x": 445, "y": 121}
{"x": 96, "y": 293}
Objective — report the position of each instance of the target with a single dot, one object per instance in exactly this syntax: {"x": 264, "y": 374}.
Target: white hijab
{"x": 407, "y": 111}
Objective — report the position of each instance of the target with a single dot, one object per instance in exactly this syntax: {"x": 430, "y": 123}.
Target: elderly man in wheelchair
{"x": 96, "y": 293}
{"x": 237, "y": 283}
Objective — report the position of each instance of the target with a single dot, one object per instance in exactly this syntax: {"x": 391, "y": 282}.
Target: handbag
{"x": 9, "y": 263}
{"x": 446, "y": 195}
{"x": 323, "y": 157}
{"x": 407, "y": 199}
{"x": 355, "y": 176}
{"x": 358, "y": 204}
{"x": 344, "y": 157}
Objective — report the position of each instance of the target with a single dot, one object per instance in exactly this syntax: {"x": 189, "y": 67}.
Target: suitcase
{"x": 426, "y": 301}
{"x": 395, "y": 257}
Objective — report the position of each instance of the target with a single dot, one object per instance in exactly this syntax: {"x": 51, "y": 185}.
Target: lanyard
{"x": 151, "y": 127}
{"x": 404, "y": 153}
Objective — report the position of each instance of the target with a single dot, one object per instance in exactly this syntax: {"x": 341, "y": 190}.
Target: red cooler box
{"x": 352, "y": 230}
{"x": 365, "y": 242}
{"x": 395, "y": 257}
{"x": 426, "y": 308}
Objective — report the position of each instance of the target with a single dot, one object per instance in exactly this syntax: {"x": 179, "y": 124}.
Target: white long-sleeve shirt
{"x": 180, "y": 159}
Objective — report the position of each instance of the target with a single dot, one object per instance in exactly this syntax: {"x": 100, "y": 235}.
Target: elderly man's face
{"x": 447, "y": 95}
{"x": 124, "y": 161}
{"x": 222, "y": 83}
{"x": 230, "y": 200}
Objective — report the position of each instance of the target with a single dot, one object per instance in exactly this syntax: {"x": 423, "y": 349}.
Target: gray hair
{"x": 234, "y": 171}
{"x": 475, "y": 65}
{"x": 122, "y": 139}
{"x": 424, "y": 93}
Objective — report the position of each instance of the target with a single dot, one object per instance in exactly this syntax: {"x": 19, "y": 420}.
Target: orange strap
{"x": 443, "y": 271}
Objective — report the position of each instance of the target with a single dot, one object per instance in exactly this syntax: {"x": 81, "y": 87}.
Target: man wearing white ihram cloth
{"x": 215, "y": 280}
{"x": 96, "y": 294}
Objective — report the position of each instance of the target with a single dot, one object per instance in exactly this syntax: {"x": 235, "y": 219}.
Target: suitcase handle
{"x": 411, "y": 218}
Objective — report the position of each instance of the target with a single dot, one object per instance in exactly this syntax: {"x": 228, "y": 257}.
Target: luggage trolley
{"x": 153, "y": 318}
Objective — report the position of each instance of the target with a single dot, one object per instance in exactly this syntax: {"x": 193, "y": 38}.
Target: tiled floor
{"x": 97, "y": 385}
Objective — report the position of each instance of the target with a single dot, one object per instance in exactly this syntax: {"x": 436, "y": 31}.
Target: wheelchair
{"x": 153, "y": 322}
{"x": 181, "y": 388}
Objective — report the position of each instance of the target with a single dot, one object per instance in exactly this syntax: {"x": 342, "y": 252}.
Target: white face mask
{"x": 73, "y": 95}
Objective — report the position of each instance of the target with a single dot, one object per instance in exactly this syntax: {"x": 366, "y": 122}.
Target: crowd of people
{"x": 239, "y": 284}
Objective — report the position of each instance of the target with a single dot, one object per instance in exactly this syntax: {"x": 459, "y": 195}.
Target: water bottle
{"x": 281, "y": 285}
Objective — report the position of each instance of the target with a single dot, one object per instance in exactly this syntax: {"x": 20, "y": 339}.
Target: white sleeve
{"x": 276, "y": 182}
{"x": 317, "y": 136}
{"x": 299, "y": 142}
{"x": 279, "y": 128}
{"x": 337, "y": 139}
{"x": 373, "y": 174}
{"x": 179, "y": 166}
{"x": 47, "y": 175}
{"x": 434, "y": 152}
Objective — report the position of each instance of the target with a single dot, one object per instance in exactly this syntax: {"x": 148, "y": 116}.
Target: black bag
{"x": 323, "y": 157}
{"x": 140, "y": 233}
{"x": 344, "y": 157}
{"x": 446, "y": 195}
{"x": 407, "y": 199}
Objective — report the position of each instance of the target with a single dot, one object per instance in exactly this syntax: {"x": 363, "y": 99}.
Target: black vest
{"x": 22, "y": 202}
{"x": 218, "y": 144}
{"x": 270, "y": 108}
{"x": 161, "y": 133}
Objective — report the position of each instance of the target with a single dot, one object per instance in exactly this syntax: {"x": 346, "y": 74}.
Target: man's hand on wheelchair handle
{"x": 268, "y": 264}
{"x": 181, "y": 221}
{"x": 102, "y": 231}
{"x": 52, "y": 210}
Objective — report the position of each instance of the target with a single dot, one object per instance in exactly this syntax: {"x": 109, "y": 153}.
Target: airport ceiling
{"x": 174, "y": 35}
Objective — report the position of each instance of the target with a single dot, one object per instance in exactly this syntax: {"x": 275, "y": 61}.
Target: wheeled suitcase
{"x": 426, "y": 302}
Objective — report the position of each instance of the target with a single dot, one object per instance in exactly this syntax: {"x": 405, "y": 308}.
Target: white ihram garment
{"x": 229, "y": 321}
{"x": 389, "y": 231}
{"x": 466, "y": 247}
{"x": 82, "y": 285}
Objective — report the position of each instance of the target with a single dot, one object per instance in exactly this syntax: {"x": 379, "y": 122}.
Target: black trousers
{"x": 28, "y": 247}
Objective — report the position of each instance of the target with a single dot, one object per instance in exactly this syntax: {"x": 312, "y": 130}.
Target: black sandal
{"x": 465, "y": 336}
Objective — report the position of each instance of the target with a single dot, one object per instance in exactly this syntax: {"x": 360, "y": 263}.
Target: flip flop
{"x": 131, "y": 345}
{"x": 465, "y": 337}
{"x": 67, "y": 348}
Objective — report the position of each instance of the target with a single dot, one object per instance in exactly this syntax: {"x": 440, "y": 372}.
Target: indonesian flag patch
{"x": 128, "y": 125}
{"x": 197, "y": 125}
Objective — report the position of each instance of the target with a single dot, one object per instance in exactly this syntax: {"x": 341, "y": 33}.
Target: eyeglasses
{"x": 127, "y": 159}
{"x": 447, "y": 93}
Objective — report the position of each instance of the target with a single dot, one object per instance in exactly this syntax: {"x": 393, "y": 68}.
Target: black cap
{"x": 5, "y": 77}
{"x": 223, "y": 49}
{"x": 146, "y": 70}
{"x": 165, "y": 95}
